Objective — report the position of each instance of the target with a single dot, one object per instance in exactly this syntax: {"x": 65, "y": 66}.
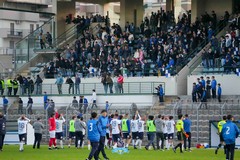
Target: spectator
{"x": 20, "y": 106}
{"x": 194, "y": 93}
{"x": 77, "y": 84}
{"x": 161, "y": 94}
{"x": 15, "y": 86}
{"x": 107, "y": 106}
{"x": 20, "y": 80}
{"x": 2, "y": 130}
{"x": 70, "y": 83}
{"x": 29, "y": 105}
{"x": 109, "y": 82}
{"x": 5, "y": 105}
{"x": 38, "y": 84}
{"x": 38, "y": 130}
{"x": 214, "y": 87}
{"x": 120, "y": 83}
{"x": 94, "y": 98}
{"x": 49, "y": 39}
{"x": 59, "y": 82}
{"x": 104, "y": 82}
{"x": 219, "y": 93}
{"x": 2, "y": 86}
{"x": 42, "y": 39}
{"x": 208, "y": 87}
{"x": 204, "y": 98}
{"x": 45, "y": 100}
{"x": 115, "y": 83}
{"x": 74, "y": 102}
{"x": 9, "y": 86}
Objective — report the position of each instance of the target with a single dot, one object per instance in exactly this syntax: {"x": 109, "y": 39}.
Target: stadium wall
{"x": 230, "y": 83}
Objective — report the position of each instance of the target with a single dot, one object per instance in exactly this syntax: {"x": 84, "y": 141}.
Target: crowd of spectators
{"x": 158, "y": 46}
{"x": 224, "y": 52}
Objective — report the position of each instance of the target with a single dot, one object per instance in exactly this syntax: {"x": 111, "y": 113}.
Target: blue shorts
{"x": 170, "y": 136}
{"x": 165, "y": 136}
{"x": 22, "y": 137}
{"x": 59, "y": 135}
{"x": 116, "y": 137}
{"x": 126, "y": 136}
{"x": 140, "y": 135}
{"x": 134, "y": 135}
{"x": 71, "y": 135}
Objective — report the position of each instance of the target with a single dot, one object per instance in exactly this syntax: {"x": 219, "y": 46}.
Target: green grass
{"x": 11, "y": 153}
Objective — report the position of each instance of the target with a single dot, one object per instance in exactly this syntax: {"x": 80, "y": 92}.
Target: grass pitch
{"x": 11, "y": 152}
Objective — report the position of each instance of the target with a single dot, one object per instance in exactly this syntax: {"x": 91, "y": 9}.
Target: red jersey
{"x": 52, "y": 124}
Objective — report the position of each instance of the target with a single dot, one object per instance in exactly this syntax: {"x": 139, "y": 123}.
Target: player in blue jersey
{"x": 229, "y": 133}
{"x": 94, "y": 130}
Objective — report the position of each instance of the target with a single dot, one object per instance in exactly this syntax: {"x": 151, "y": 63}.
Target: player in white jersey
{"x": 22, "y": 131}
{"x": 170, "y": 130}
{"x": 165, "y": 133}
{"x": 134, "y": 129}
{"x": 141, "y": 123}
{"x": 59, "y": 129}
{"x": 115, "y": 130}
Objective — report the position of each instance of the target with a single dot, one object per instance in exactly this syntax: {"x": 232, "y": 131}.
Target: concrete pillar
{"x": 177, "y": 9}
{"x": 127, "y": 10}
{"x": 169, "y": 5}
{"x": 62, "y": 9}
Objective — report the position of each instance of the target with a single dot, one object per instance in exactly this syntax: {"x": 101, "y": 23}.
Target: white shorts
{"x": 52, "y": 134}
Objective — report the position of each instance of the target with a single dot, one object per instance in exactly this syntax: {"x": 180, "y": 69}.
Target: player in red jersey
{"x": 52, "y": 131}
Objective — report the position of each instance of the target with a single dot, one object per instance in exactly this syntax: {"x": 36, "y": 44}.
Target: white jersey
{"x": 165, "y": 126}
{"x": 59, "y": 125}
{"x": 170, "y": 126}
{"x": 114, "y": 124}
{"x": 141, "y": 126}
{"x": 22, "y": 126}
{"x": 84, "y": 129}
{"x": 134, "y": 125}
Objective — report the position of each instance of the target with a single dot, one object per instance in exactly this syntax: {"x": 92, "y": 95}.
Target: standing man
{"x": 194, "y": 93}
{"x": 208, "y": 87}
{"x": 52, "y": 132}
{"x": 70, "y": 83}
{"x": 161, "y": 94}
{"x": 220, "y": 126}
{"x": 45, "y": 100}
{"x": 2, "y": 130}
{"x": 20, "y": 80}
{"x": 71, "y": 130}
{"x": 230, "y": 132}
{"x": 94, "y": 98}
{"x": 5, "y": 105}
{"x": 187, "y": 128}
{"x": 126, "y": 130}
{"x": 120, "y": 83}
{"x": 104, "y": 124}
{"x": 15, "y": 86}
{"x": 180, "y": 131}
{"x": 151, "y": 128}
{"x": 159, "y": 132}
{"x": 22, "y": 131}
{"x": 38, "y": 129}
{"x": 79, "y": 127}
{"x": 20, "y": 106}
{"x": 59, "y": 82}
{"x": 29, "y": 105}
{"x": 170, "y": 130}
{"x": 115, "y": 130}
{"x": 2, "y": 86}
{"x": 59, "y": 129}
{"x": 141, "y": 123}
{"x": 134, "y": 129}
{"x": 219, "y": 93}
{"x": 38, "y": 84}
{"x": 214, "y": 87}
{"x": 74, "y": 102}
{"x": 77, "y": 84}
{"x": 9, "y": 86}
{"x": 94, "y": 130}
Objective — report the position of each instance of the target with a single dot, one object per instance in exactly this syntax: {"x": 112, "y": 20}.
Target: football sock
{"x": 140, "y": 144}
{"x": 61, "y": 143}
{"x": 21, "y": 146}
{"x": 219, "y": 146}
{"x": 89, "y": 146}
{"x": 133, "y": 142}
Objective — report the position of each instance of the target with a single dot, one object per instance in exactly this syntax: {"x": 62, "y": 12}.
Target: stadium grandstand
{"x": 135, "y": 57}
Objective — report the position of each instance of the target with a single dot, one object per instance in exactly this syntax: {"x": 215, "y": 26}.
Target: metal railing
{"x": 86, "y": 89}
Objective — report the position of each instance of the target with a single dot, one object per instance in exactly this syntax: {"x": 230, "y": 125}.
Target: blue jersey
{"x": 187, "y": 125}
{"x": 103, "y": 122}
{"x": 230, "y": 132}
{"x": 93, "y": 130}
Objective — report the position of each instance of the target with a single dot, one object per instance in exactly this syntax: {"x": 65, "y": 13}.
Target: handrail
{"x": 35, "y": 30}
